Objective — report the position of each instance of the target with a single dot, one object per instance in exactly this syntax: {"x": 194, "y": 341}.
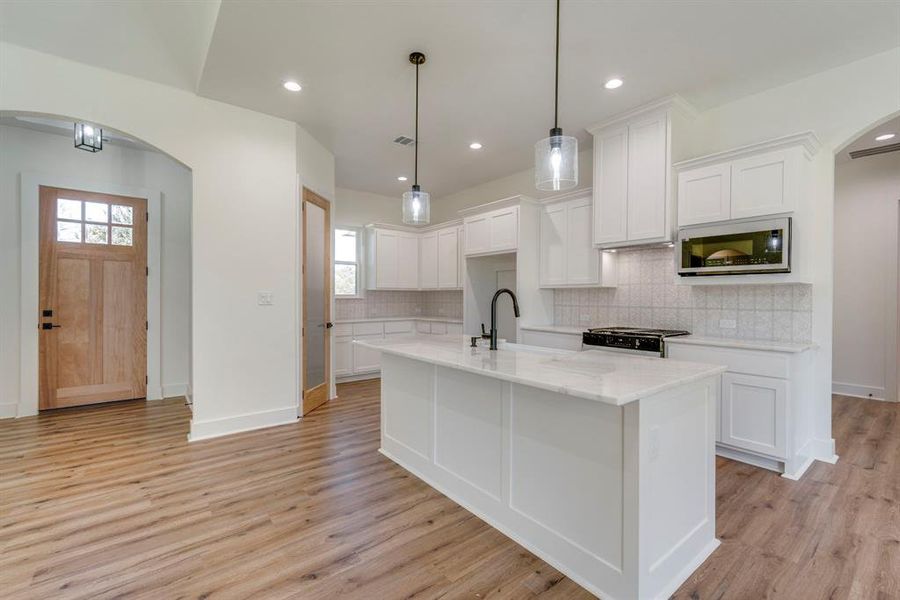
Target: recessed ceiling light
{"x": 613, "y": 83}
{"x": 885, "y": 136}
{"x": 475, "y": 146}
{"x": 401, "y": 178}
{"x": 292, "y": 86}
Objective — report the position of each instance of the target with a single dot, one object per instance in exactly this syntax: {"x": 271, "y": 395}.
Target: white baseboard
{"x": 858, "y": 391}
{"x": 203, "y": 430}
{"x": 360, "y": 377}
{"x": 9, "y": 411}
{"x": 154, "y": 393}
{"x": 174, "y": 390}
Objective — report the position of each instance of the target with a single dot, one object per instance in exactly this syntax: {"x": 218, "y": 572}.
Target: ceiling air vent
{"x": 404, "y": 141}
{"x": 875, "y": 150}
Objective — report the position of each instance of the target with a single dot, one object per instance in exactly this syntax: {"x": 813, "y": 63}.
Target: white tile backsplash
{"x": 647, "y": 297}
{"x": 382, "y": 303}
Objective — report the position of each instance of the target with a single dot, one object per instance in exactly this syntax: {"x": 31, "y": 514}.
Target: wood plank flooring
{"x": 111, "y": 501}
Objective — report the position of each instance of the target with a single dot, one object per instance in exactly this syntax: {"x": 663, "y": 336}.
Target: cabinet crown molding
{"x": 806, "y": 140}
{"x": 674, "y": 103}
{"x": 408, "y": 229}
{"x": 570, "y": 195}
{"x": 502, "y": 203}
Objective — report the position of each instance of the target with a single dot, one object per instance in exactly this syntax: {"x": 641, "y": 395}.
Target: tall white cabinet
{"x": 633, "y": 198}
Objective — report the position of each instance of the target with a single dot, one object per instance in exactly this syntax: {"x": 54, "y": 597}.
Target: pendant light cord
{"x": 416, "y": 164}
{"x": 556, "y": 83}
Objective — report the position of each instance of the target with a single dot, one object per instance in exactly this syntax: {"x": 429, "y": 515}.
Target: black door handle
{"x": 329, "y": 325}
{"x": 49, "y": 326}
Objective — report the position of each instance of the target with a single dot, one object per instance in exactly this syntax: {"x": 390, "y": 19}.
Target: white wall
{"x": 245, "y": 218}
{"x": 23, "y": 150}
{"x": 356, "y": 209}
{"x": 867, "y": 195}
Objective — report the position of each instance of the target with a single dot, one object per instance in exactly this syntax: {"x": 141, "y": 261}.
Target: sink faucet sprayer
{"x": 497, "y": 294}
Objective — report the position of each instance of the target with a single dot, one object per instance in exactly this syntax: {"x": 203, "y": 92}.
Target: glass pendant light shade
{"x": 556, "y": 162}
{"x": 416, "y": 207}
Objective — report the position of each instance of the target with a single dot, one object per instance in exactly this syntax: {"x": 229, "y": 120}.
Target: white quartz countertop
{"x": 742, "y": 344}
{"x": 383, "y": 319}
{"x": 569, "y": 330}
{"x": 593, "y": 375}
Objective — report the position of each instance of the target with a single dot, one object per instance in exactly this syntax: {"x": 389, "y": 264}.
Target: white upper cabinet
{"x": 428, "y": 260}
{"x": 611, "y": 186}
{"x": 568, "y": 257}
{"x": 392, "y": 260}
{"x": 633, "y": 189}
{"x": 492, "y": 232}
{"x": 765, "y": 184}
{"x": 447, "y": 258}
{"x": 403, "y": 259}
{"x": 648, "y": 172}
{"x": 704, "y": 195}
{"x": 764, "y": 179}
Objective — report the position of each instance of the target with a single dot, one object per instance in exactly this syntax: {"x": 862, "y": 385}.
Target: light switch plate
{"x": 265, "y": 298}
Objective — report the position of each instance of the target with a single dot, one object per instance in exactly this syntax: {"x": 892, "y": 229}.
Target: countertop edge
{"x": 712, "y": 371}
{"x": 386, "y": 319}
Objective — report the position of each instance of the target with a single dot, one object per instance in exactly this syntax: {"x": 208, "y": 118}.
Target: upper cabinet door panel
{"x": 504, "y": 229}
{"x": 386, "y": 265}
{"x": 610, "y": 186}
{"x": 477, "y": 234}
{"x": 408, "y": 261}
{"x": 448, "y": 258}
{"x": 765, "y": 184}
{"x": 582, "y": 259}
{"x": 428, "y": 261}
{"x": 647, "y": 168}
{"x": 553, "y": 245}
{"x": 704, "y": 195}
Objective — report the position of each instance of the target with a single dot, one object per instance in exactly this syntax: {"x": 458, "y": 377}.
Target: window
{"x": 347, "y": 246}
{"x": 89, "y": 222}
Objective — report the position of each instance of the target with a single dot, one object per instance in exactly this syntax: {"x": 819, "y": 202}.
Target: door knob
{"x": 49, "y": 326}
{"x": 329, "y": 325}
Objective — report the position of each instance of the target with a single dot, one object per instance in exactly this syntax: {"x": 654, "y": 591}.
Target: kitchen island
{"x": 602, "y": 464}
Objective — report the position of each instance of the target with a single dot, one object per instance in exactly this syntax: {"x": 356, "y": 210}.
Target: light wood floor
{"x": 112, "y": 502}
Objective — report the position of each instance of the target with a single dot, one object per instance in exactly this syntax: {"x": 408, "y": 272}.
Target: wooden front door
{"x": 316, "y": 368}
{"x": 93, "y": 298}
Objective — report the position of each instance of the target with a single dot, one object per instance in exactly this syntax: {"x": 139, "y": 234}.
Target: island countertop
{"x": 602, "y": 376}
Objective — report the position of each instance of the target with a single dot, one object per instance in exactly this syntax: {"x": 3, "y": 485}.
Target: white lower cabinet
{"x": 351, "y": 360}
{"x": 754, "y": 413}
{"x": 766, "y": 406}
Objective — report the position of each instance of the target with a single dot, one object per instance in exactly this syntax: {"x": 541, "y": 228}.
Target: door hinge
{"x": 147, "y": 269}
{"x": 146, "y": 379}
{"x": 147, "y": 325}
{"x": 147, "y": 215}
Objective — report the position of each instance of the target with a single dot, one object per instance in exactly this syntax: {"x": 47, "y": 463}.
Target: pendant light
{"x": 416, "y": 203}
{"x": 556, "y": 157}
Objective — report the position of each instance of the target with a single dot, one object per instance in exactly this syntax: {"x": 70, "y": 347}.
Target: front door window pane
{"x": 96, "y": 234}
{"x": 122, "y": 215}
{"x": 96, "y": 212}
{"x": 121, "y": 236}
{"x": 68, "y": 209}
{"x": 68, "y": 232}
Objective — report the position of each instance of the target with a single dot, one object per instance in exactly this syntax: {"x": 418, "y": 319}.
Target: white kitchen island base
{"x": 620, "y": 498}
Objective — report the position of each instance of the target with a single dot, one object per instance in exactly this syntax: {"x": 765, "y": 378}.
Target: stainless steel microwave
{"x": 759, "y": 246}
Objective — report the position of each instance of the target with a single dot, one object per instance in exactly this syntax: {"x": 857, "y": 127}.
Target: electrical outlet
{"x": 265, "y": 298}
{"x": 727, "y": 324}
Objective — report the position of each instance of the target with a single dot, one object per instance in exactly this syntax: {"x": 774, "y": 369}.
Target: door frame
{"x": 29, "y": 229}
{"x": 307, "y": 194}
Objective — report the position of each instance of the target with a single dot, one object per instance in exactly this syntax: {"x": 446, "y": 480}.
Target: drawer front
{"x": 754, "y": 414}
{"x": 750, "y": 362}
{"x": 398, "y": 327}
{"x": 342, "y": 329}
{"x": 368, "y": 328}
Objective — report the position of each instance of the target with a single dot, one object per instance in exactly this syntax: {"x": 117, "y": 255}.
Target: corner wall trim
{"x": 203, "y": 430}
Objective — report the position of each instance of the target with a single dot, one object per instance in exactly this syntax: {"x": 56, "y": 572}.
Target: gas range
{"x": 635, "y": 339}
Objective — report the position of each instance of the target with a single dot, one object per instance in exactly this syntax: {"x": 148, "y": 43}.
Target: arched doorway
{"x": 39, "y": 154}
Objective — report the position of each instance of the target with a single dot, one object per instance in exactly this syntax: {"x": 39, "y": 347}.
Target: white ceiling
{"x": 489, "y": 75}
